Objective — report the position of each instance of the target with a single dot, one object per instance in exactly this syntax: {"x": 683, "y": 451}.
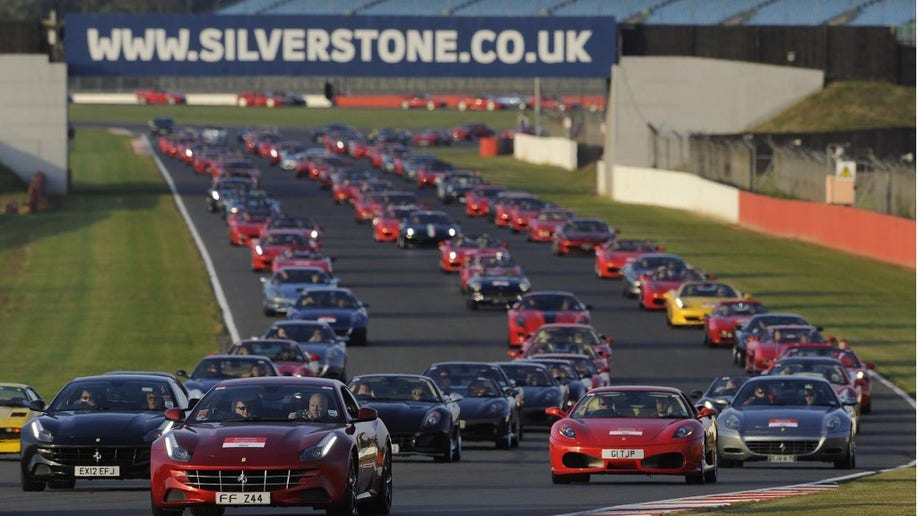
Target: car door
{"x": 365, "y": 435}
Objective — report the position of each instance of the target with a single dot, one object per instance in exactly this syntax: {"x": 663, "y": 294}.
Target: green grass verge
{"x": 109, "y": 279}
{"x": 883, "y": 494}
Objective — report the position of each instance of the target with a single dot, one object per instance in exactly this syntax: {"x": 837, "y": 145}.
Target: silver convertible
{"x": 786, "y": 419}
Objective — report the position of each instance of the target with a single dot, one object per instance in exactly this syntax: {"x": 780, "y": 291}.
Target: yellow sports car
{"x": 14, "y": 413}
{"x": 688, "y": 304}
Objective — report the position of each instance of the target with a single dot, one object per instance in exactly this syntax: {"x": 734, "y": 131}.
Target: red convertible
{"x": 273, "y": 441}
{"x": 629, "y": 429}
{"x": 156, "y": 96}
{"x": 613, "y": 255}
{"x": 546, "y": 222}
{"x": 581, "y": 235}
{"x": 720, "y": 324}
{"x": 540, "y": 307}
{"x": 457, "y": 250}
{"x": 655, "y": 285}
{"x": 274, "y": 242}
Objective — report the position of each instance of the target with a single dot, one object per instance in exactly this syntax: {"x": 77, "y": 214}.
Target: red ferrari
{"x": 720, "y": 325}
{"x": 273, "y": 441}
{"x": 422, "y": 101}
{"x": 385, "y": 226}
{"x": 581, "y": 235}
{"x": 155, "y": 96}
{"x": 456, "y": 251}
{"x": 640, "y": 430}
{"x": 777, "y": 338}
{"x": 478, "y": 199}
{"x": 477, "y": 263}
{"x": 274, "y": 242}
{"x": 656, "y": 284}
{"x": 613, "y": 255}
{"x": 546, "y": 222}
{"x": 544, "y": 306}
{"x": 298, "y": 257}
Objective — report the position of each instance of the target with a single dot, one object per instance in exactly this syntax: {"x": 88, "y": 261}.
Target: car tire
{"x": 405, "y": 104}
{"x": 491, "y": 106}
{"x": 348, "y": 504}
{"x": 848, "y": 461}
{"x": 359, "y": 337}
{"x": 65, "y": 483}
{"x": 472, "y": 305}
{"x": 242, "y": 102}
{"x": 698, "y": 477}
{"x": 453, "y": 450}
{"x": 171, "y": 101}
{"x": 707, "y": 339}
{"x": 270, "y": 103}
{"x": 517, "y": 435}
{"x": 162, "y": 511}
{"x": 462, "y": 106}
{"x": 431, "y": 105}
{"x": 382, "y": 502}
{"x": 31, "y": 484}
{"x": 710, "y": 476}
{"x": 269, "y": 312}
{"x": 560, "y": 479}
{"x": 505, "y": 442}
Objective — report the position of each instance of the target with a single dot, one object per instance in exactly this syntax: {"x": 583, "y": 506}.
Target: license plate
{"x": 782, "y": 458}
{"x": 461, "y": 423}
{"x": 243, "y": 498}
{"x": 97, "y": 471}
{"x": 395, "y": 448}
{"x": 623, "y": 454}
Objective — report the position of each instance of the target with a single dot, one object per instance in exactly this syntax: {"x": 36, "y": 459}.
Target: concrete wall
{"x": 689, "y": 94}
{"x": 33, "y": 118}
{"x": 560, "y": 152}
{"x": 678, "y": 190}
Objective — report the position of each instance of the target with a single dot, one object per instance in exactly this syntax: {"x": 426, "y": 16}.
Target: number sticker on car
{"x": 243, "y": 498}
{"x": 97, "y": 471}
{"x": 623, "y": 454}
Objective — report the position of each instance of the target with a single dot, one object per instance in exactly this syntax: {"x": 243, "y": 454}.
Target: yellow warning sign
{"x": 845, "y": 170}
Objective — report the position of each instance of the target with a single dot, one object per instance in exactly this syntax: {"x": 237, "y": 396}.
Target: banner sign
{"x": 372, "y": 46}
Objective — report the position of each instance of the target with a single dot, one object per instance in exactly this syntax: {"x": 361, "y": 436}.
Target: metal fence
{"x": 766, "y": 165}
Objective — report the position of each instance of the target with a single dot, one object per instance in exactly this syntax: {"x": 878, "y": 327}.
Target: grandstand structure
{"x": 886, "y": 13}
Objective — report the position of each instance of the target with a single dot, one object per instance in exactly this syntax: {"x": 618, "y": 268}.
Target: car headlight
{"x": 433, "y": 419}
{"x": 174, "y": 450}
{"x": 860, "y": 375}
{"x": 160, "y": 430}
{"x": 40, "y": 433}
{"x": 453, "y": 232}
{"x": 321, "y": 449}
{"x": 409, "y": 232}
{"x": 679, "y": 303}
{"x": 525, "y": 286}
{"x": 215, "y": 196}
{"x": 314, "y": 234}
{"x": 259, "y": 250}
{"x": 833, "y": 423}
{"x": 683, "y": 432}
{"x": 452, "y": 255}
{"x": 474, "y": 284}
{"x": 567, "y": 431}
{"x": 731, "y": 421}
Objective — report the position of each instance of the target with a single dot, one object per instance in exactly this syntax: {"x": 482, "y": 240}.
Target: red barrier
{"x": 861, "y": 232}
{"x": 38, "y": 195}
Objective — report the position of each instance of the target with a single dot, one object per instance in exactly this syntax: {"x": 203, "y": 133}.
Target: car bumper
{"x": 677, "y": 458}
{"x": 47, "y": 462}
{"x": 732, "y": 446}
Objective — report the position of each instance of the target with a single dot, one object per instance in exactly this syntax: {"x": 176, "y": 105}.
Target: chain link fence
{"x": 783, "y": 168}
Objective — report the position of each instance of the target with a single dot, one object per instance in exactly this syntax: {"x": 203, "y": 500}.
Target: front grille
{"x": 97, "y": 455}
{"x": 405, "y": 442}
{"x": 249, "y": 480}
{"x": 783, "y": 447}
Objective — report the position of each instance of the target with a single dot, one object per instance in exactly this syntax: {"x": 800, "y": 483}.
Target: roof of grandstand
{"x": 656, "y": 12}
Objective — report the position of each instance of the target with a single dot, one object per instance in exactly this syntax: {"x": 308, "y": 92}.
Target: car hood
{"x": 258, "y": 443}
{"x": 293, "y": 289}
{"x": 332, "y": 316}
{"x": 402, "y": 416}
{"x": 478, "y": 408}
{"x": 629, "y": 431}
{"x": 101, "y": 427}
{"x": 790, "y": 421}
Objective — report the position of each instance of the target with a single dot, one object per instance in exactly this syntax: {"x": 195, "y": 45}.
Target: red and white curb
{"x": 711, "y": 501}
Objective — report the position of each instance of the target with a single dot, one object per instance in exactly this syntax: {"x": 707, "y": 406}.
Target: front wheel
{"x": 347, "y": 506}
{"x": 31, "y": 484}
{"x": 847, "y": 462}
{"x": 382, "y": 502}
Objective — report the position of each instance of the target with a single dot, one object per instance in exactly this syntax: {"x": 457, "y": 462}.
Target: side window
{"x": 350, "y": 402}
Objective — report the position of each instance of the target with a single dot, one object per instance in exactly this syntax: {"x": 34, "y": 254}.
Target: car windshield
{"x": 725, "y": 386}
{"x": 784, "y": 391}
{"x": 316, "y": 276}
{"x": 551, "y": 302}
{"x": 389, "y": 388}
{"x": 277, "y": 351}
{"x": 303, "y": 333}
{"x": 236, "y": 367}
{"x": 267, "y": 402}
{"x": 114, "y": 395}
{"x": 740, "y": 309}
{"x": 528, "y": 376}
{"x": 708, "y": 290}
{"x": 429, "y": 218}
{"x": 631, "y": 404}
{"x": 834, "y": 372}
{"x": 323, "y": 299}
{"x": 13, "y": 396}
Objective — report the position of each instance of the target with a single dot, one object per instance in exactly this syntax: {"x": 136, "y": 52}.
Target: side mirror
{"x": 37, "y": 405}
{"x": 706, "y": 412}
{"x": 264, "y": 279}
{"x": 696, "y": 395}
{"x": 367, "y": 414}
{"x": 556, "y": 412}
{"x": 174, "y": 414}
{"x": 181, "y": 373}
{"x": 871, "y": 365}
